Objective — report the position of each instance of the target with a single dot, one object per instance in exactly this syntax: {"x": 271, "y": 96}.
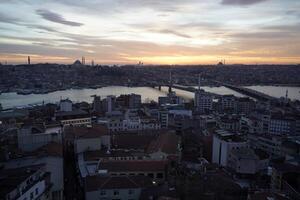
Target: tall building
{"x": 110, "y": 103}
{"x": 135, "y": 101}
{"x": 202, "y": 100}
{"x": 228, "y": 103}
{"x": 223, "y": 143}
{"x": 97, "y": 103}
{"x": 65, "y": 105}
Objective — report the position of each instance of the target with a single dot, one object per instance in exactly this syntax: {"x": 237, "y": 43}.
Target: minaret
{"x": 28, "y": 60}
{"x": 83, "y": 60}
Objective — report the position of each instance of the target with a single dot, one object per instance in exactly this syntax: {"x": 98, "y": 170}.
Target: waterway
{"x": 9, "y": 100}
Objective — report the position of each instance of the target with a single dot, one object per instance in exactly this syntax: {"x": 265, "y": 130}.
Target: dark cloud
{"x": 54, "y": 17}
{"x": 167, "y": 31}
{"x": 241, "y": 2}
{"x": 7, "y": 19}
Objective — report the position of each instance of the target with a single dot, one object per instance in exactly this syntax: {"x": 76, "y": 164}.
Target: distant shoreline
{"x": 47, "y": 91}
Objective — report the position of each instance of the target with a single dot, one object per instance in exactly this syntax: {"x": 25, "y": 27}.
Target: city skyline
{"x": 154, "y": 32}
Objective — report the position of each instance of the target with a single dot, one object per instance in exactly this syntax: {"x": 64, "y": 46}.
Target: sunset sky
{"x": 151, "y": 31}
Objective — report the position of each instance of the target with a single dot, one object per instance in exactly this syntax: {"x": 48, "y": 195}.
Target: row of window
{"x": 77, "y": 121}
{"x": 116, "y": 192}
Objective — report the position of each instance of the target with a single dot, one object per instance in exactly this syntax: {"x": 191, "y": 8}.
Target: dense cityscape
{"x": 118, "y": 147}
{"x": 150, "y": 100}
{"x": 44, "y": 78}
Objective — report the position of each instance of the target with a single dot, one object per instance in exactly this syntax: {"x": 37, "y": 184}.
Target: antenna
{"x": 170, "y": 81}
{"x": 199, "y": 81}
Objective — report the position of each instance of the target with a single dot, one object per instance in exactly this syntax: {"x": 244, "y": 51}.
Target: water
{"x": 278, "y": 91}
{"x": 9, "y": 100}
{"x": 12, "y": 99}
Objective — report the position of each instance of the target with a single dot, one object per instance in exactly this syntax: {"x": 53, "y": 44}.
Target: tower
{"x": 83, "y": 60}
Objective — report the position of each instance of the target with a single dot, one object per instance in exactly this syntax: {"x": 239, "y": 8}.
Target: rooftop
{"x": 96, "y": 131}
{"x": 99, "y": 182}
{"x": 11, "y": 178}
{"x": 136, "y": 165}
{"x": 166, "y": 142}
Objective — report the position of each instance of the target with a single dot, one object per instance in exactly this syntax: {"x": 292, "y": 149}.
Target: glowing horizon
{"x": 151, "y": 31}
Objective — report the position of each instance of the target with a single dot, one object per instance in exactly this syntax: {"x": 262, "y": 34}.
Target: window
{"x": 151, "y": 175}
{"x": 36, "y": 191}
{"x": 130, "y": 191}
{"x": 159, "y": 175}
{"x": 102, "y": 192}
{"x": 31, "y": 195}
{"x": 116, "y": 192}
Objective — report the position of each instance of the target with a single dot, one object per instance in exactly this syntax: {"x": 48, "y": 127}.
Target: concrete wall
{"x": 109, "y": 194}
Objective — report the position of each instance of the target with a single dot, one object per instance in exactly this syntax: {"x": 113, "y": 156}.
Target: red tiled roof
{"x": 132, "y": 141}
{"x": 132, "y": 166}
{"x": 99, "y": 182}
{"x": 166, "y": 142}
{"x": 51, "y": 149}
{"x": 86, "y": 132}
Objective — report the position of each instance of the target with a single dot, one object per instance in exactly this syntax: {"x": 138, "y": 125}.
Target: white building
{"x": 228, "y": 102}
{"x": 248, "y": 161}
{"x": 110, "y": 103}
{"x": 268, "y": 143}
{"x": 52, "y": 158}
{"x": 223, "y": 143}
{"x": 65, "y": 105}
{"x": 87, "y": 138}
{"x": 127, "y": 187}
{"x": 32, "y": 137}
{"x": 280, "y": 125}
{"x": 25, "y": 183}
{"x": 74, "y": 118}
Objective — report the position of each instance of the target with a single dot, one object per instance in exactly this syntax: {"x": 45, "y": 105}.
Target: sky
{"x": 150, "y": 31}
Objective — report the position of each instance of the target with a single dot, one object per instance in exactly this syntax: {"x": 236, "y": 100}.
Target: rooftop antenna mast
{"x": 170, "y": 81}
{"x": 199, "y": 80}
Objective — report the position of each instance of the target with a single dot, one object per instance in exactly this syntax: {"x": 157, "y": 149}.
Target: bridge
{"x": 242, "y": 90}
{"x": 248, "y": 92}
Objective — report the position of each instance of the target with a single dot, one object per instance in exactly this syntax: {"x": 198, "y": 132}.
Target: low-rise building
{"x": 73, "y": 118}
{"x": 123, "y": 188}
{"x": 51, "y": 157}
{"x": 248, "y": 161}
{"x": 33, "y": 137}
{"x": 155, "y": 169}
{"x": 30, "y": 182}
{"x": 87, "y": 138}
